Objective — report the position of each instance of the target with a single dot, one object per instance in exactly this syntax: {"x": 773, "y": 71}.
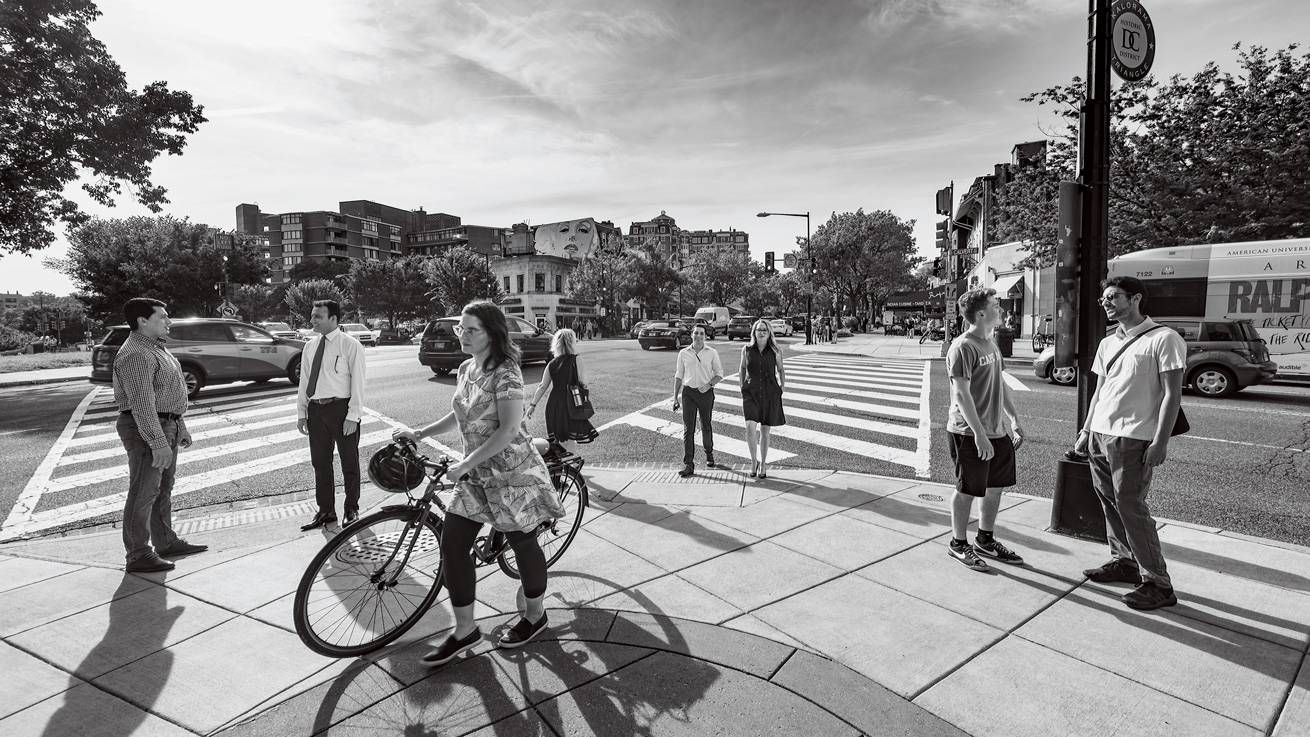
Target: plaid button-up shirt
{"x": 147, "y": 381}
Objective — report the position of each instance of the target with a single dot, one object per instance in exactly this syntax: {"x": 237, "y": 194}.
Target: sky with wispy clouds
{"x": 504, "y": 111}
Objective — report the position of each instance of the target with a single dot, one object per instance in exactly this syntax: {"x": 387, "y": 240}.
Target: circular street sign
{"x": 1132, "y": 40}
{"x": 228, "y": 311}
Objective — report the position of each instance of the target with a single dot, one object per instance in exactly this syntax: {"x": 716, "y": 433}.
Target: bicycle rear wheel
{"x": 1039, "y": 342}
{"x": 355, "y": 597}
{"x": 556, "y": 536}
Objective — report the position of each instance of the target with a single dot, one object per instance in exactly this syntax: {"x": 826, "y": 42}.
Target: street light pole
{"x": 809, "y": 294}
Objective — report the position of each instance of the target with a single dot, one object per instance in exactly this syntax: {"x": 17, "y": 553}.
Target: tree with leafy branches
{"x": 261, "y": 302}
{"x": 65, "y": 111}
{"x": 396, "y": 288}
{"x": 459, "y": 276}
{"x": 327, "y": 268}
{"x": 301, "y": 296}
{"x": 864, "y": 257}
{"x": 652, "y": 281}
{"x": 177, "y": 261}
{"x": 764, "y": 295}
{"x": 719, "y": 276}
{"x": 1214, "y": 158}
{"x": 600, "y": 278}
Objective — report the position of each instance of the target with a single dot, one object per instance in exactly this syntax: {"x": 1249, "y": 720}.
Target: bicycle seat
{"x": 542, "y": 445}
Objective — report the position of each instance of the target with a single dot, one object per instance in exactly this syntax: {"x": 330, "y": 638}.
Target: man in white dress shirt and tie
{"x": 698, "y": 370}
{"x": 328, "y": 406}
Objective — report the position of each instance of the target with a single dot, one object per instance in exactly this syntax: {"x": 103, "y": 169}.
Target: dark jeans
{"x": 326, "y": 423}
{"x": 148, "y": 513}
{"x": 693, "y": 402}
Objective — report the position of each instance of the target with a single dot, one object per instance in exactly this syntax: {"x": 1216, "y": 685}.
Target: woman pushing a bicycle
{"x": 502, "y": 481}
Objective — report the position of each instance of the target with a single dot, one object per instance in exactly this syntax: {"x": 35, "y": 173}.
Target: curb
{"x": 34, "y": 382}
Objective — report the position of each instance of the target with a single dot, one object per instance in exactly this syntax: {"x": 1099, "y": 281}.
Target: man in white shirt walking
{"x": 698, "y": 370}
{"x": 328, "y": 406}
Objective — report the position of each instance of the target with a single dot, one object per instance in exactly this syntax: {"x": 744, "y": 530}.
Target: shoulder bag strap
{"x": 1124, "y": 347}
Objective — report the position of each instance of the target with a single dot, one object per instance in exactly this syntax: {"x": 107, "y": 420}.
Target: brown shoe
{"x": 149, "y": 563}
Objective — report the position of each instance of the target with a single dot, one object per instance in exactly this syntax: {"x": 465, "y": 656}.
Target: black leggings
{"x": 457, "y": 537}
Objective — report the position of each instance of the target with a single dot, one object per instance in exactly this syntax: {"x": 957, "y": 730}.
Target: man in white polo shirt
{"x": 1129, "y": 422}
{"x": 699, "y": 369}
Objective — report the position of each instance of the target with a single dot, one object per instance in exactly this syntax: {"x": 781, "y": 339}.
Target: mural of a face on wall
{"x": 569, "y": 239}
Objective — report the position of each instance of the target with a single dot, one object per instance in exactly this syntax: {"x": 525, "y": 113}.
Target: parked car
{"x": 359, "y": 332}
{"x": 280, "y": 330}
{"x": 635, "y": 330}
{"x": 797, "y": 323}
{"x": 665, "y": 334}
{"x": 1223, "y": 357}
{"x": 212, "y": 351}
{"x": 394, "y": 336}
{"x": 781, "y": 326}
{"x": 692, "y": 322}
{"x": 740, "y": 327}
{"x": 440, "y": 351}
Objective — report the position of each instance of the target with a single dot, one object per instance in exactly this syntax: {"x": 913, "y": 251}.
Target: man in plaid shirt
{"x": 152, "y": 397}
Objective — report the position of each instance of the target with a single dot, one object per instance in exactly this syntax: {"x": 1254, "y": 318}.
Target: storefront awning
{"x": 1005, "y": 285}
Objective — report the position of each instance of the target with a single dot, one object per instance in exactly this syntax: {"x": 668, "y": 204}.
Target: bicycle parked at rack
{"x": 1043, "y": 337}
{"x": 380, "y": 574}
{"x": 932, "y": 334}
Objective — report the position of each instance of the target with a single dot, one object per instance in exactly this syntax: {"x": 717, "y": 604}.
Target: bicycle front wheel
{"x": 369, "y": 584}
{"x": 1039, "y": 342}
{"x": 555, "y": 536}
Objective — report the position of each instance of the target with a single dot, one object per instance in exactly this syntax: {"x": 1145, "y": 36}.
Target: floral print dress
{"x": 511, "y": 491}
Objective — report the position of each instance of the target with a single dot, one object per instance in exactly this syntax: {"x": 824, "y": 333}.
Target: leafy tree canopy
{"x": 326, "y": 268}
{"x": 719, "y": 276}
{"x": 169, "y": 259}
{"x": 652, "y": 281}
{"x": 1214, "y": 158}
{"x": 864, "y": 256}
{"x": 396, "y": 288}
{"x": 459, "y": 276}
{"x": 601, "y": 278}
{"x": 65, "y": 111}
{"x": 301, "y": 296}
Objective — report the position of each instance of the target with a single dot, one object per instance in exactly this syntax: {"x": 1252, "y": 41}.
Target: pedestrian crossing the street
{"x": 242, "y": 437}
{"x": 869, "y": 407}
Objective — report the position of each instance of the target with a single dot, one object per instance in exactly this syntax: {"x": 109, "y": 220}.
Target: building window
{"x": 291, "y": 219}
{"x": 520, "y": 281}
{"x": 540, "y": 282}
{"x": 559, "y": 283}
{"x": 291, "y": 248}
{"x": 289, "y": 261}
{"x": 507, "y": 285}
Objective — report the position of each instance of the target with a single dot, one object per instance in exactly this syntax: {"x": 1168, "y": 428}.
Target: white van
{"x": 717, "y": 317}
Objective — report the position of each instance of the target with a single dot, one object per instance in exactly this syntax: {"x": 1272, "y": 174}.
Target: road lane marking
{"x": 31, "y": 494}
{"x": 722, "y": 444}
{"x": 1014, "y": 383}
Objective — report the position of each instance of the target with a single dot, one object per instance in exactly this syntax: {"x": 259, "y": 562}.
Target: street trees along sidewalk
{"x": 863, "y": 255}
{"x": 396, "y": 288}
{"x": 458, "y": 277}
{"x": 64, "y": 106}
{"x": 1214, "y": 158}
{"x": 177, "y": 261}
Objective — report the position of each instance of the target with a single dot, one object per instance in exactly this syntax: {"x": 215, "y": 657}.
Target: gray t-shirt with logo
{"x": 979, "y": 361}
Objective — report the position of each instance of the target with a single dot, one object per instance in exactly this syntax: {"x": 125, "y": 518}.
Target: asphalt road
{"x": 1244, "y": 467}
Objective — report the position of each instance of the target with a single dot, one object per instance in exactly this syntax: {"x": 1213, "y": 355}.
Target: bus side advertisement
{"x": 1266, "y": 282}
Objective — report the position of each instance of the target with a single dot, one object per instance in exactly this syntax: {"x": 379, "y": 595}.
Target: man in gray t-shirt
{"x": 980, "y": 442}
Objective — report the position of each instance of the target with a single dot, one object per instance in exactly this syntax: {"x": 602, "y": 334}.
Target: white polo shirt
{"x": 1128, "y": 405}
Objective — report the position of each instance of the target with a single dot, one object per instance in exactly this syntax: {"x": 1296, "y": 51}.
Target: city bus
{"x": 1266, "y": 282}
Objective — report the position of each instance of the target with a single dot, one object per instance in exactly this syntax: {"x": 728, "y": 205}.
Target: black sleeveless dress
{"x": 558, "y": 424}
{"x": 761, "y": 397}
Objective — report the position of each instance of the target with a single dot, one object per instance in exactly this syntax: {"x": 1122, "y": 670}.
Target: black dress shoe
{"x": 709, "y": 461}
{"x": 351, "y": 517}
{"x": 149, "y": 563}
{"x": 320, "y": 519}
{"x": 687, "y": 470}
{"x": 179, "y": 548}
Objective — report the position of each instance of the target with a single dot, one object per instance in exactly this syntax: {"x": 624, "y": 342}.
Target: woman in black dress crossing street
{"x": 762, "y": 380}
{"x": 558, "y": 375}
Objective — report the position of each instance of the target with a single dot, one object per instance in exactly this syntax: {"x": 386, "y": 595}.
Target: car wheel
{"x": 440, "y": 371}
{"x": 195, "y": 381}
{"x": 1067, "y": 376}
{"x": 261, "y": 382}
{"x": 293, "y": 371}
{"x": 1214, "y": 381}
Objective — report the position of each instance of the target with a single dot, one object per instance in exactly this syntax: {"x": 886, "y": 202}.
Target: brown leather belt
{"x": 162, "y": 415}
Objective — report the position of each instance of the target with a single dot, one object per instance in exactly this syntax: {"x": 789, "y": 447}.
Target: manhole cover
{"x": 932, "y": 498}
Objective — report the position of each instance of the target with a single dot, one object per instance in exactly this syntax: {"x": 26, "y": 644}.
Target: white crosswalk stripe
{"x": 866, "y": 407}
{"x": 238, "y": 435}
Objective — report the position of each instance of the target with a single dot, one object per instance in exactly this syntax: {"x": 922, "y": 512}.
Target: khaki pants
{"x": 1122, "y": 482}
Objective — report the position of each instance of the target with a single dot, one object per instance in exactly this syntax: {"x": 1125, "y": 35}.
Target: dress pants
{"x": 148, "y": 512}
{"x": 1122, "y": 481}
{"x": 326, "y": 423}
{"x": 694, "y": 402}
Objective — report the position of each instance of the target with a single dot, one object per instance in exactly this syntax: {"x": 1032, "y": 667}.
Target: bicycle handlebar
{"x": 410, "y": 448}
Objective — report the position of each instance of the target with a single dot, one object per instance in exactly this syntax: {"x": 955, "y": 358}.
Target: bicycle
{"x": 933, "y": 334}
{"x": 377, "y": 578}
{"x": 1043, "y": 337}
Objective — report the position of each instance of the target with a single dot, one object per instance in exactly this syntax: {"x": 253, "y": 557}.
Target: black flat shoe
{"x": 180, "y": 548}
{"x": 521, "y": 633}
{"x": 320, "y": 519}
{"x": 451, "y": 648}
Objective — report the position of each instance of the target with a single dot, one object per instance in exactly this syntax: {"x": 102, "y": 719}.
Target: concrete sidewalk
{"x": 812, "y": 603}
{"x": 46, "y": 376}
{"x": 898, "y": 346}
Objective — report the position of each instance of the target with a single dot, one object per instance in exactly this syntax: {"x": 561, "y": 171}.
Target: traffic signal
{"x": 944, "y": 201}
{"x": 768, "y": 261}
{"x": 937, "y": 267}
{"x": 63, "y": 324}
{"x": 943, "y": 235}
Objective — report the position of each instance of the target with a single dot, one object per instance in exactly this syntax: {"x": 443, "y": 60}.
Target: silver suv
{"x": 1223, "y": 357}
{"x": 212, "y": 351}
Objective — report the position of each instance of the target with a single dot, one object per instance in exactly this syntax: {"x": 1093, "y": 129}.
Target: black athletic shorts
{"x": 973, "y": 475}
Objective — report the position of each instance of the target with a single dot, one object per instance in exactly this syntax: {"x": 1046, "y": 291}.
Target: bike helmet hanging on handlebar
{"x": 395, "y": 469}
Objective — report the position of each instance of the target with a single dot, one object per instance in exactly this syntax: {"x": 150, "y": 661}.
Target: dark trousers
{"x": 1122, "y": 480}
{"x": 694, "y": 402}
{"x": 326, "y": 423}
{"x": 148, "y": 513}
